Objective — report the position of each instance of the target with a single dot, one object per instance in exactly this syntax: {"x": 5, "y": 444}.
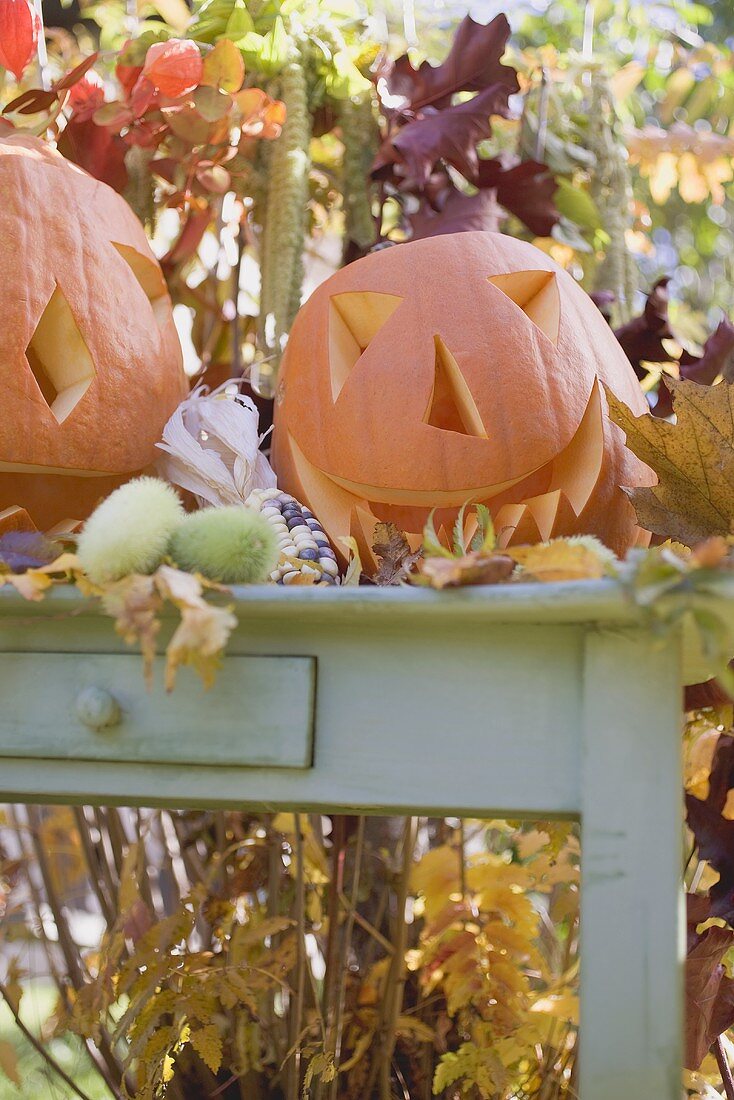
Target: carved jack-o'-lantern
{"x": 90, "y": 362}
{"x": 462, "y": 368}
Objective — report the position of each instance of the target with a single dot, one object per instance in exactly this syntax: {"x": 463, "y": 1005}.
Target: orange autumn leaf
{"x": 18, "y": 35}
{"x": 224, "y": 68}
{"x": 174, "y": 67}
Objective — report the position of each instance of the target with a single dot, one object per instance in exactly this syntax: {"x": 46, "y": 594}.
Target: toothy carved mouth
{"x": 572, "y": 476}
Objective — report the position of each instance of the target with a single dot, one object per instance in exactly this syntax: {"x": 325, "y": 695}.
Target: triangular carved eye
{"x": 151, "y": 280}
{"x": 452, "y": 406}
{"x": 355, "y": 318}
{"x": 536, "y": 293}
{"x": 59, "y": 358}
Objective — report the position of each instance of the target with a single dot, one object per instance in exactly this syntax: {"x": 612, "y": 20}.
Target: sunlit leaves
{"x": 174, "y": 68}
{"x": 18, "y": 35}
{"x": 224, "y": 68}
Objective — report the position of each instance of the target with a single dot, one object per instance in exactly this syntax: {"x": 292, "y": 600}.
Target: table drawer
{"x": 80, "y": 706}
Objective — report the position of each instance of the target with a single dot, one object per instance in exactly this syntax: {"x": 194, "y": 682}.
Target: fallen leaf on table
{"x": 135, "y": 604}
{"x": 203, "y": 631}
{"x": 21, "y": 550}
{"x": 563, "y": 560}
{"x": 33, "y": 582}
{"x": 397, "y": 559}
{"x": 694, "y": 461}
{"x": 471, "y": 568}
{"x": 354, "y": 568}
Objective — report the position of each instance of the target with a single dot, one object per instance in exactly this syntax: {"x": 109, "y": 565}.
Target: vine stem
{"x": 393, "y": 996}
{"x": 39, "y": 1047}
{"x": 343, "y": 962}
{"x": 724, "y": 1069}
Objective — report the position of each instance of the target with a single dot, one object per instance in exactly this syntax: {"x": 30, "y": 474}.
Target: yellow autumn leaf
{"x": 693, "y": 458}
{"x": 135, "y": 604}
{"x": 437, "y": 875}
{"x": 559, "y": 1006}
{"x": 562, "y": 560}
{"x": 207, "y": 1042}
{"x": 354, "y": 568}
{"x": 31, "y": 585}
{"x": 204, "y": 630}
{"x": 698, "y": 759}
{"x": 532, "y": 842}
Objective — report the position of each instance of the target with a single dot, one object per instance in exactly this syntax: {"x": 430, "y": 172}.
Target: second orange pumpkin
{"x": 462, "y": 368}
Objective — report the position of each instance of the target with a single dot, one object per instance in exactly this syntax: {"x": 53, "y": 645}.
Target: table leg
{"x": 632, "y": 926}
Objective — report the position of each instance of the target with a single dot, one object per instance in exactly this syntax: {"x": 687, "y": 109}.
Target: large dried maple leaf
{"x": 714, "y": 833}
{"x": 451, "y": 134}
{"x": 524, "y": 188}
{"x": 693, "y": 458}
{"x": 474, "y": 63}
{"x": 709, "y": 994}
{"x": 709, "y": 991}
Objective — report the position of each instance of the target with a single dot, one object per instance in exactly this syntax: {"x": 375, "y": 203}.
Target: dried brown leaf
{"x": 135, "y": 604}
{"x": 471, "y": 568}
{"x": 397, "y": 560}
{"x": 203, "y": 631}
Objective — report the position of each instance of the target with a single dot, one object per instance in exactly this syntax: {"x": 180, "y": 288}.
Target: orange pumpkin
{"x": 461, "y": 368}
{"x": 90, "y": 361}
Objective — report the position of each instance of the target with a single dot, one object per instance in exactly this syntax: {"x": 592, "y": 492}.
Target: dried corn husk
{"x": 211, "y": 446}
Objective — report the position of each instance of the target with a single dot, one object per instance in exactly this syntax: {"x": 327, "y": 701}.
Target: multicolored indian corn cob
{"x": 305, "y": 550}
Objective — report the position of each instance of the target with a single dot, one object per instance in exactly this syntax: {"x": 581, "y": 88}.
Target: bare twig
{"x": 393, "y": 992}
{"x": 296, "y": 1014}
{"x": 344, "y": 961}
{"x": 724, "y": 1069}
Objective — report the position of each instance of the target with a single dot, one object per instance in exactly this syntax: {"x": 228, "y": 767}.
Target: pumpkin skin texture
{"x": 460, "y": 368}
{"x": 90, "y": 360}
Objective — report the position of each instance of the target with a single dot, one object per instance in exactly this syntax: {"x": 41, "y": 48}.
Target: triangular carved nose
{"x": 536, "y": 293}
{"x": 355, "y": 318}
{"x": 59, "y": 357}
{"x": 452, "y": 406}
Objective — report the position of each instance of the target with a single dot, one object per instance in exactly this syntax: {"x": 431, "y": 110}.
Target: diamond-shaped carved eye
{"x": 536, "y": 293}
{"x": 355, "y": 318}
{"x": 59, "y": 357}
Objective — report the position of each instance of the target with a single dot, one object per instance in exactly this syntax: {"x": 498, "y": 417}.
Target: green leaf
{"x": 577, "y": 205}
{"x": 343, "y": 78}
{"x": 459, "y": 532}
{"x": 431, "y": 544}
{"x": 485, "y": 539}
{"x": 266, "y": 52}
{"x": 240, "y": 21}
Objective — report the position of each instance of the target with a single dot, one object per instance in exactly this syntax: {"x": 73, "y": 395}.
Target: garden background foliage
{"x": 264, "y": 143}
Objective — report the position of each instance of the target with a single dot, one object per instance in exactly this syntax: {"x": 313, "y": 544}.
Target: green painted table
{"x": 515, "y": 701}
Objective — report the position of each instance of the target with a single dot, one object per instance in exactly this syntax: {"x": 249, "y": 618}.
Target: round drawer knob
{"x": 97, "y": 709}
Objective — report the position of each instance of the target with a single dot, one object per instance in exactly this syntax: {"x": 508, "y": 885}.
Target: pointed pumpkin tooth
{"x": 511, "y": 523}
{"x": 566, "y": 522}
{"x": 544, "y": 510}
{"x": 526, "y": 531}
